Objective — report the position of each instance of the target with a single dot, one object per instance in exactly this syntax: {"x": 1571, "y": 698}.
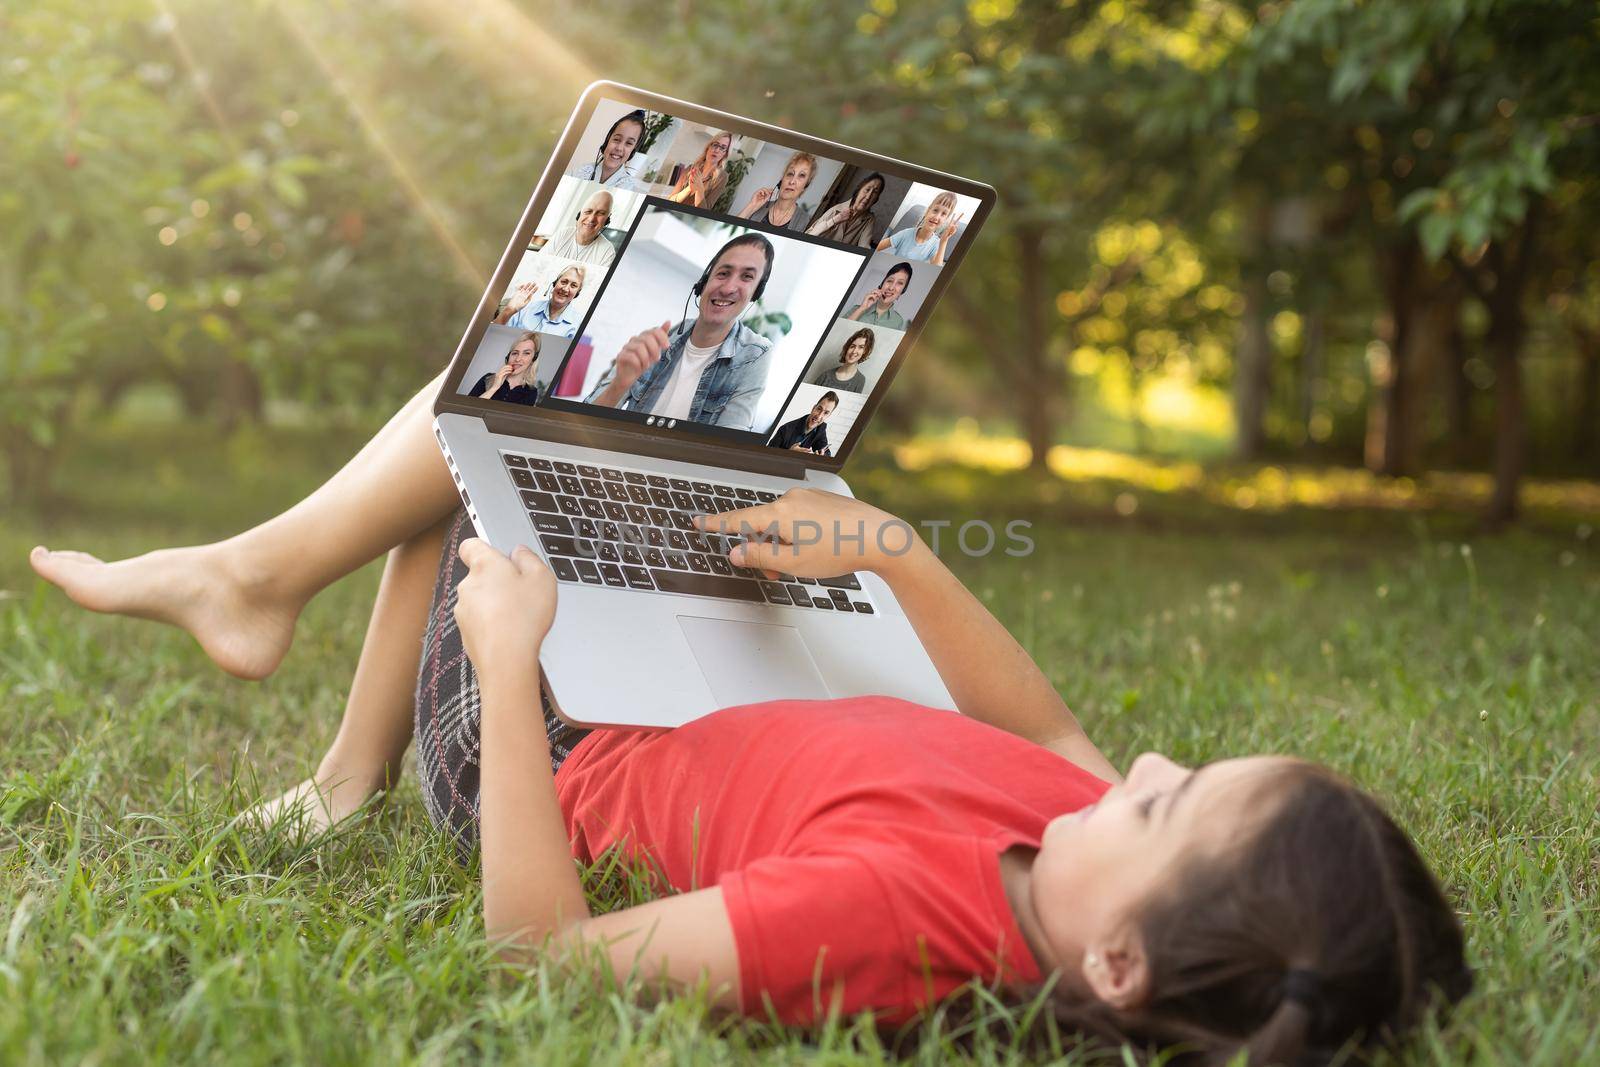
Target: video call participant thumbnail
{"x": 583, "y": 240}
{"x": 548, "y": 315}
{"x": 809, "y": 432}
{"x": 877, "y": 306}
{"x": 846, "y": 373}
{"x": 513, "y": 383}
{"x": 930, "y": 239}
{"x": 615, "y": 163}
{"x": 852, "y": 221}
{"x": 779, "y": 205}
{"x": 709, "y": 369}
{"x": 701, "y": 184}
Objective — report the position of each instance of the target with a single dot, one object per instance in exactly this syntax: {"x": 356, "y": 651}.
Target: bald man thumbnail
{"x": 583, "y": 241}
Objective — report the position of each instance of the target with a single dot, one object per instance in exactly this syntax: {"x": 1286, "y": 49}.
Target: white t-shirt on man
{"x": 679, "y": 393}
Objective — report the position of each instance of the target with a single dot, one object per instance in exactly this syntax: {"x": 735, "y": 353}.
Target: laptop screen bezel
{"x": 596, "y": 431}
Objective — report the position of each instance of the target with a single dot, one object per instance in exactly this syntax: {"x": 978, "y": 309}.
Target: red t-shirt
{"x": 856, "y": 841}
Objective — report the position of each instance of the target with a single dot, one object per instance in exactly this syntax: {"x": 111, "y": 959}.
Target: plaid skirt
{"x": 449, "y": 711}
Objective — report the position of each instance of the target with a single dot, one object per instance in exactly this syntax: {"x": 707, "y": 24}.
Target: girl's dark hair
{"x": 636, "y": 115}
{"x": 1325, "y": 930}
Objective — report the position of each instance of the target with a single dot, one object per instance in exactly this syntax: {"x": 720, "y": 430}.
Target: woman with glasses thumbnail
{"x": 701, "y": 184}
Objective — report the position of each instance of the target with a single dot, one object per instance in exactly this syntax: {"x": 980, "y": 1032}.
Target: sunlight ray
{"x": 198, "y": 76}
{"x": 372, "y": 129}
{"x": 506, "y": 47}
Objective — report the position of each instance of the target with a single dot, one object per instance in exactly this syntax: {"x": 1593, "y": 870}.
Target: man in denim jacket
{"x": 709, "y": 369}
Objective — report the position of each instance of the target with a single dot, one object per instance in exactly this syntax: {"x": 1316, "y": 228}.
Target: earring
{"x": 1091, "y": 960}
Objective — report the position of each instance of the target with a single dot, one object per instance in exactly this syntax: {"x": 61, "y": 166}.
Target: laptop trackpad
{"x": 746, "y": 662}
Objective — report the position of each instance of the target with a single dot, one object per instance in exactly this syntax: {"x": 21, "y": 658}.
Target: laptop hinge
{"x": 780, "y": 464}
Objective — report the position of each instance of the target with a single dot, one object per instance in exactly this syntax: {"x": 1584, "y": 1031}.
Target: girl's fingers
{"x": 475, "y": 552}
{"x": 759, "y": 517}
{"x": 769, "y": 556}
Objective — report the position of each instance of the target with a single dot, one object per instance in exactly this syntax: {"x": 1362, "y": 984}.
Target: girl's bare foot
{"x": 239, "y": 620}
{"x": 313, "y": 807}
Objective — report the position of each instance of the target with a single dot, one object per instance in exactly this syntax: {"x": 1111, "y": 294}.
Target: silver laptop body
{"x": 650, "y": 629}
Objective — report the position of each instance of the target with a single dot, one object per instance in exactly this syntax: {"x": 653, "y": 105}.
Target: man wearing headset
{"x": 710, "y": 369}
{"x": 808, "y": 432}
{"x": 583, "y": 240}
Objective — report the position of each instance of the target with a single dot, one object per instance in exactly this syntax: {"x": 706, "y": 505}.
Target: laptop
{"x": 696, "y": 313}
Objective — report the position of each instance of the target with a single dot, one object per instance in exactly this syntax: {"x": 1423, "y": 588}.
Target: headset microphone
{"x": 699, "y": 287}
{"x": 636, "y": 115}
{"x": 743, "y": 239}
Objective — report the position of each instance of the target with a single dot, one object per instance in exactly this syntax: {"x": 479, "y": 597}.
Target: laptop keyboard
{"x": 630, "y": 529}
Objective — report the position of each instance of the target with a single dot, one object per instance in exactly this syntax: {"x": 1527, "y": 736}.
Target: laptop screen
{"x": 685, "y": 277}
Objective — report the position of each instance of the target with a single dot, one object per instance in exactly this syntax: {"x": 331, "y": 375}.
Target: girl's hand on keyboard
{"x": 815, "y": 534}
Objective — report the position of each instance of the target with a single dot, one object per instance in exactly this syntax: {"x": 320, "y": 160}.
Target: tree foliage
{"x": 1359, "y": 216}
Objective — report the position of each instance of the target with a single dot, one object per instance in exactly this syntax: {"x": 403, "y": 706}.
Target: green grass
{"x": 1457, "y": 676}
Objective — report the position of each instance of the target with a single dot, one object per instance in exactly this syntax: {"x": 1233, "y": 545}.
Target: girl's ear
{"x": 1116, "y": 969}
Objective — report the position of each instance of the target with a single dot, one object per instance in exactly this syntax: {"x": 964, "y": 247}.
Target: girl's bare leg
{"x": 240, "y": 598}
{"x": 372, "y": 739}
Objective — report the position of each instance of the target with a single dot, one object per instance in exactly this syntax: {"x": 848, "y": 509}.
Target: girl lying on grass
{"x": 839, "y": 855}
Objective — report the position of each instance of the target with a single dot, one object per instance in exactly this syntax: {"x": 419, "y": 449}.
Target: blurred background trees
{"x": 1337, "y": 232}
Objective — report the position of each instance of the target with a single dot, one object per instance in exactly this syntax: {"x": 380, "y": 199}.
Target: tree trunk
{"x": 896, "y": 415}
{"x": 1038, "y": 403}
{"x": 1391, "y": 416}
{"x": 1433, "y": 359}
{"x": 1252, "y": 369}
{"x": 241, "y": 396}
{"x": 1311, "y": 359}
{"x": 1510, "y": 416}
{"x": 195, "y": 393}
{"x": 1039, "y": 424}
{"x": 1458, "y": 395}
{"x": 1510, "y": 269}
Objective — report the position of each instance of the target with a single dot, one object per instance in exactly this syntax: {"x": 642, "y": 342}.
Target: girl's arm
{"x": 818, "y": 534}
{"x": 531, "y": 891}
{"x": 990, "y": 676}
